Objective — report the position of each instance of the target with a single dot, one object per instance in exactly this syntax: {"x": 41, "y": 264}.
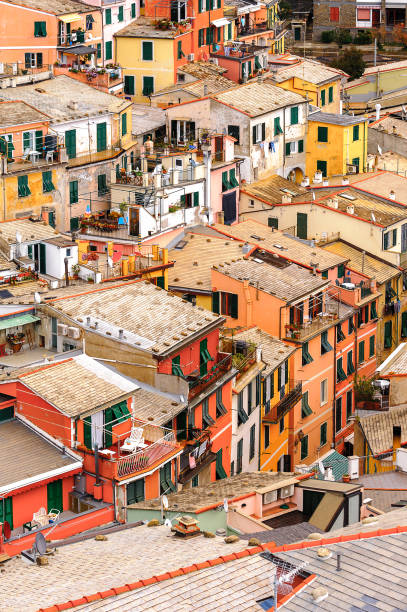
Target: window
{"x": 124, "y": 124}
{"x": 306, "y": 357}
{"x": 108, "y": 50}
{"x": 394, "y": 237}
{"x": 47, "y": 184}
{"x": 176, "y": 369}
{"x": 324, "y": 391}
{"x": 220, "y": 470}
{"x": 166, "y": 483}
{"x": 40, "y": 28}
{"x": 277, "y": 126}
{"x": 129, "y": 85}
{"x": 304, "y": 447}
{"x": 351, "y": 327}
{"x": 73, "y": 192}
{"x": 361, "y": 351}
{"x": 249, "y": 397}
{"x": 334, "y": 13}
{"x": 331, "y": 94}
{"x": 225, "y": 304}
{"x": 338, "y": 414}
{"x": 234, "y": 131}
{"x": 99, "y": 50}
{"x": 404, "y": 324}
{"x": 322, "y": 134}
{"x": 229, "y": 31}
{"x": 195, "y": 481}
{"x": 204, "y": 356}
{"x": 325, "y": 346}
{"x": 349, "y": 403}
{"x": 220, "y": 408}
{"x": 259, "y": 133}
{"x": 239, "y": 462}
{"x": 101, "y": 137}
{"x": 323, "y": 97}
{"x": 135, "y": 491}
{"x": 102, "y": 187}
{"x": 108, "y": 16}
{"x": 180, "y": 53}
{"x": 373, "y": 311}
{"x": 89, "y": 22}
{"x": 207, "y": 420}
{"x": 300, "y": 146}
{"x": 70, "y": 143}
{"x": 241, "y": 414}
{"x": 272, "y": 222}
{"x": 266, "y": 436}
{"x": 120, "y": 15}
{"x": 386, "y": 236}
{"x": 388, "y": 334}
{"x": 147, "y": 50}
{"x": 201, "y": 37}
{"x": 294, "y": 115}
{"x": 287, "y": 148}
{"x": 350, "y": 366}
{"x": 23, "y": 188}
{"x": 232, "y": 178}
{"x": 281, "y": 425}
{"x": 305, "y": 407}
{"x": 323, "y": 434}
{"x": 133, "y": 10}
{"x": 148, "y": 85}
{"x": 252, "y": 441}
{"x": 225, "y": 181}
{"x": 339, "y": 333}
{"x": 355, "y": 133}
{"x": 341, "y": 270}
{"x": 340, "y": 372}
{"x": 322, "y": 167}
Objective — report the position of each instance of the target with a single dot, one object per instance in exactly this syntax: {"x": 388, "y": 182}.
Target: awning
{"x": 8, "y": 322}
{"x": 70, "y": 18}
{"x": 218, "y": 23}
{"x": 79, "y": 50}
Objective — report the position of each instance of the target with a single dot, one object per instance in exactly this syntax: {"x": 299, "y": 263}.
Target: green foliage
{"x": 364, "y": 37}
{"x": 343, "y": 37}
{"x": 351, "y": 62}
{"x": 284, "y": 11}
{"x": 328, "y": 36}
{"x": 363, "y": 388}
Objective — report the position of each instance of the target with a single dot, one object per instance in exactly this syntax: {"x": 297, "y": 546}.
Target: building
{"x": 257, "y": 23}
{"x": 320, "y": 83}
{"x": 388, "y": 134}
{"x": 37, "y": 34}
{"x": 93, "y": 135}
{"x": 268, "y": 124}
{"x": 32, "y": 171}
{"x": 336, "y": 144}
{"x": 394, "y": 370}
{"x": 385, "y": 84}
{"x": 186, "y": 91}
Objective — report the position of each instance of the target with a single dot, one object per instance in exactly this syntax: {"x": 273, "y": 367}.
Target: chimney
{"x": 377, "y": 107}
{"x": 246, "y": 248}
{"x": 88, "y": 321}
{"x": 286, "y": 199}
{"x": 350, "y": 209}
{"x": 120, "y": 334}
{"x": 305, "y": 182}
{"x": 314, "y": 268}
{"x": 329, "y": 473}
{"x": 345, "y": 180}
{"x": 392, "y": 195}
{"x": 394, "y": 130}
{"x": 340, "y": 107}
{"x": 205, "y": 90}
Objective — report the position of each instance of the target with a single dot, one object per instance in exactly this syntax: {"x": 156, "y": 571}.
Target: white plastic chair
{"x": 135, "y": 440}
{"x": 41, "y": 517}
{"x": 53, "y": 515}
{"x": 25, "y": 154}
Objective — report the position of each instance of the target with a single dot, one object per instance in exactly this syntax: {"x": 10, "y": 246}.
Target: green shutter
{"x": 38, "y": 141}
{"x": 26, "y": 141}
{"x": 330, "y": 95}
{"x": 386, "y": 240}
{"x": 87, "y": 432}
{"x": 287, "y": 148}
{"x": 294, "y": 115}
{"x": 207, "y": 420}
{"x": 133, "y": 10}
{"x": 73, "y": 192}
{"x": 108, "y": 417}
{"x": 220, "y": 408}
{"x": 147, "y": 50}
{"x": 304, "y": 447}
{"x": 124, "y": 124}
{"x": 99, "y": 50}
{"x": 216, "y": 302}
{"x": 6, "y": 510}
{"x": 322, "y": 134}
{"x": 325, "y": 346}
{"x": 306, "y": 356}
{"x": 373, "y": 311}
{"x": 129, "y": 85}
{"x": 241, "y": 413}
{"x": 108, "y": 17}
{"x": 350, "y": 366}
{"x": 252, "y": 441}
{"x": 388, "y": 334}
{"x": 341, "y": 270}
{"x": 176, "y": 369}
{"x": 23, "y": 188}
{"x": 101, "y": 137}
{"x": 323, "y": 97}
{"x": 102, "y": 187}
{"x": 70, "y": 143}
{"x": 40, "y": 28}
{"x": 340, "y": 372}
{"x": 371, "y": 346}
{"x": 47, "y": 184}
{"x": 148, "y": 85}
{"x": 120, "y": 15}
{"x": 108, "y": 50}
{"x": 54, "y": 495}
{"x": 300, "y": 146}
{"x": 361, "y": 351}
{"x": 277, "y": 126}
{"x": 43, "y": 259}
{"x": 305, "y": 407}
{"x": 225, "y": 181}
{"x": 200, "y": 6}
{"x": 355, "y": 132}
{"x": 339, "y": 333}
{"x": 323, "y": 434}
{"x": 196, "y": 198}
{"x": 220, "y": 471}
{"x": 404, "y": 324}
{"x": 233, "y": 182}
{"x": 234, "y": 305}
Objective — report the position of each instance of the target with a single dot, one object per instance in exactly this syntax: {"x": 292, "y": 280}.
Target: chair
{"x": 53, "y": 515}
{"x": 49, "y": 156}
{"x": 41, "y": 518}
{"x": 135, "y": 440}
{"x": 26, "y": 153}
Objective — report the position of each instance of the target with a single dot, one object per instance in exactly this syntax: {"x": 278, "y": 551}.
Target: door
{"x": 70, "y": 143}
{"x": 375, "y": 18}
{"x": 6, "y": 510}
{"x": 54, "y": 495}
{"x": 135, "y": 491}
{"x": 7, "y": 413}
{"x": 322, "y": 167}
{"x": 229, "y": 207}
{"x": 54, "y": 333}
{"x": 134, "y": 221}
{"x": 356, "y": 162}
{"x": 218, "y": 148}
{"x": 43, "y": 260}
{"x": 302, "y": 225}
{"x": 310, "y": 501}
{"x": 297, "y": 33}
{"x": 101, "y": 137}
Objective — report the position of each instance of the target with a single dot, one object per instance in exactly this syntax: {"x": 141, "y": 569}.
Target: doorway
{"x": 302, "y": 222}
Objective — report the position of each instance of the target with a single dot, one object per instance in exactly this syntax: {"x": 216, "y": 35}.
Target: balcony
{"x": 81, "y": 159}
{"x": 100, "y": 78}
{"x": 165, "y": 178}
{"x": 249, "y": 28}
{"x": 290, "y": 394}
{"x": 198, "y": 383}
{"x": 243, "y": 52}
{"x": 150, "y": 456}
{"x": 196, "y": 456}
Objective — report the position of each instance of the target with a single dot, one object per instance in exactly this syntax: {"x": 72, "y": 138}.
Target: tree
{"x": 351, "y": 62}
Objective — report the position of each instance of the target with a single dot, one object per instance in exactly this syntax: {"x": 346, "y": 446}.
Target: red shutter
{"x": 334, "y": 13}
{"x": 363, "y": 14}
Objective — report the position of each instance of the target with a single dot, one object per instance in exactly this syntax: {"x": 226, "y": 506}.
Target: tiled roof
{"x": 271, "y": 188}
{"x": 144, "y": 27}
{"x": 385, "y": 67}
{"x": 384, "y": 488}
{"x": 155, "y": 408}
{"x": 396, "y": 363}
{"x": 336, "y": 461}
{"x": 363, "y": 262}
{"x": 32, "y": 455}
{"x": 258, "y": 98}
{"x": 286, "y": 284}
{"x": 382, "y": 182}
{"x": 336, "y": 119}
{"x": 378, "y": 429}
{"x": 78, "y": 386}
{"x": 29, "y": 230}
{"x": 201, "y": 69}
{"x": 288, "y": 247}
{"x": 308, "y": 70}
{"x": 213, "y": 494}
{"x": 145, "y": 118}
{"x": 55, "y": 7}
{"x": 273, "y": 351}
{"x": 209, "y": 85}
{"x": 194, "y": 261}
{"x": 55, "y": 96}
{"x": 155, "y": 320}
{"x": 19, "y": 113}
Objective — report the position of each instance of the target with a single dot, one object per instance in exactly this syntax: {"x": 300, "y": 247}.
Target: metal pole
{"x": 375, "y": 52}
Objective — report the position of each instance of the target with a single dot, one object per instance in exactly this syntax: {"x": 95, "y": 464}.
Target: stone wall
{"x": 322, "y": 22}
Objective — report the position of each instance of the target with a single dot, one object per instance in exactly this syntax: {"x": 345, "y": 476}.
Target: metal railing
{"x": 142, "y": 459}
{"x": 198, "y": 383}
{"x": 290, "y": 394}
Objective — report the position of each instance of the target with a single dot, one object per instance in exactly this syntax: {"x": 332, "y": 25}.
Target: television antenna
{"x": 284, "y": 575}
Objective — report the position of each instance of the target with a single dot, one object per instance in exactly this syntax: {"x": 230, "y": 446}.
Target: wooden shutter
{"x": 294, "y": 115}
{"x": 73, "y": 192}
{"x": 254, "y": 134}
{"x": 234, "y": 305}
{"x": 124, "y": 124}
{"x": 54, "y": 495}
{"x": 70, "y": 143}
{"x": 147, "y": 50}
{"x": 263, "y": 131}
{"x": 196, "y": 198}
{"x": 6, "y": 510}
{"x": 101, "y": 137}
{"x": 108, "y": 50}
{"x": 215, "y": 301}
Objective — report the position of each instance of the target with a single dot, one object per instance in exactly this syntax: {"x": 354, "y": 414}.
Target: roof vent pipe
{"x": 392, "y": 195}
{"x": 120, "y": 334}
{"x": 377, "y": 107}
{"x": 88, "y": 321}
{"x": 338, "y": 562}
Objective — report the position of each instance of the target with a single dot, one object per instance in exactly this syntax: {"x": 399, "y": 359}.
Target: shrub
{"x": 363, "y": 38}
{"x": 343, "y": 37}
{"x": 328, "y": 36}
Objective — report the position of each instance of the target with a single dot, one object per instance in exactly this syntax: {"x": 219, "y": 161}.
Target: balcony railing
{"x": 160, "y": 179}
{"x": 198, "y": 383}
{"x": 290, "y": 394}
{"x": 197, "y": 455}
{"x": 145, "y": 458}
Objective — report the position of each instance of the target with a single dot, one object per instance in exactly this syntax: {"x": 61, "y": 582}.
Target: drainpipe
{"x": 334, "y": 402}
{"x": 103, "y": 42}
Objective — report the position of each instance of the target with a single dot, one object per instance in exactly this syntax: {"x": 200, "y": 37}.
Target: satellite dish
{"x": 37, "y": 298}
{"x": 167, "y": 522}
{"x": 40, "y": 544}
{"x": 165, "y": 502}
{"x": 18, "y": 236}
{"x": 6, "y": 530}
{"x": 225, "y": 505}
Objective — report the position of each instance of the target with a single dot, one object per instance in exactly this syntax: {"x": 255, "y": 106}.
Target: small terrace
{"x": 239, "y": 52}
{"x": 101, "y": 78}
{"x": 81, "y": 159}
{"x": 196, "y": 456}
{"x": 249, "y": 27}
{"x": 161, "y": 178}
{"x": 200, "y": 379}
{"x": 290, "y": 395}
{"x": 45, "y": 154}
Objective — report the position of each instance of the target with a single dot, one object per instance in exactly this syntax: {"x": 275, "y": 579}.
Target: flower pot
{"x": 345, "y": 478}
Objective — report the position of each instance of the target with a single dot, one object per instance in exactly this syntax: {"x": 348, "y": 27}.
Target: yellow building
{"x": 149, "y": 57}
{"x": 336, "y": 144}
{"x": 322, "y": 84}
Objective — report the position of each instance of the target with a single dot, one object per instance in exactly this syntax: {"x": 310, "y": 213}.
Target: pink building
{"x": 224, "y": 187}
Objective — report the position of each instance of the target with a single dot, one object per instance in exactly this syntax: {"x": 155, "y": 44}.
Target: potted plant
{"x": 75, "y": 270}
{"x": 346, "y": 478}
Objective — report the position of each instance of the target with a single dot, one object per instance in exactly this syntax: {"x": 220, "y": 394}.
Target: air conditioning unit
{"x": 352, "y": 169}
{"x": 62, "y": 329}
{"x": 74, "y": 332}
{"x": 214, "y": 60}
{"x": 286, "y": 491}
{"x": 270, "y": 496}
{"x": 191, "y": 57}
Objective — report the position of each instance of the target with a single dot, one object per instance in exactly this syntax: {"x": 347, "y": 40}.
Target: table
{"x": 34, "y": 156}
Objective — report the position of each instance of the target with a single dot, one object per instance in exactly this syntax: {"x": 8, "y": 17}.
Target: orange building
{"x": 34, "y": 37}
